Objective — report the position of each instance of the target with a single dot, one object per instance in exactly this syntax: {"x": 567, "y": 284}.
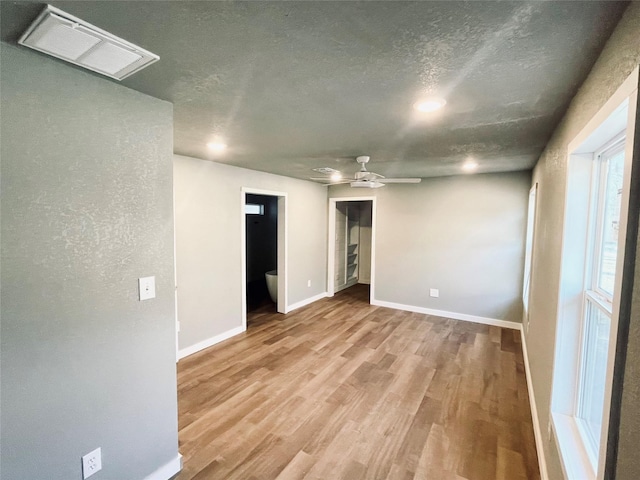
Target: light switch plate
{"x": 147, "y": 287}
{"x": 434, "y": 292}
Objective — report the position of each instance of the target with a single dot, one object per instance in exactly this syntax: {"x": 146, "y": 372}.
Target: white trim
{"x": 305, "y": 302}
{"x": 175, "y": 269}
{"x": 209, "y": 342}
{"x": 626, "y": 89}
{"x": 283, "y": 253}
{"x": 331, "y": 249}
{"x": 454, "y": 315}
{"x": 283, "y": 249}
{"x": 567, "y": 436}
{"x": 374, "y": 229}
{"x": 537, "y": 433}
{"x": 168, "y": 470}
{"x": 530, "y": 236}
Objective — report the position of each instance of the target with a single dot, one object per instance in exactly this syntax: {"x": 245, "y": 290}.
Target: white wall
{"x": 463, "y": 235}
{"x": 208, "y": 246}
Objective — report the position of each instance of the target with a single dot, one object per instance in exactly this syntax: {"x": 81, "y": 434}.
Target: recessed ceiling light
{"x": 336, "y": 176}
{"x": 469, "y": 165}
{"x": 430, "y": 105}
{"x": 217, "y": 146}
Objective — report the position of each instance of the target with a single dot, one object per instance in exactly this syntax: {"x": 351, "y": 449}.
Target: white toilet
{"x": 272, "y": 284}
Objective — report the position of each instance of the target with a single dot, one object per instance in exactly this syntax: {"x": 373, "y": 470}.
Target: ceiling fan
{"x": 362, "y": 178}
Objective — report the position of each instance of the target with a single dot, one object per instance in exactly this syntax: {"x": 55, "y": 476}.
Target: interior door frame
{"x": 282, "y": 248}
{"x": 331, "y": 246}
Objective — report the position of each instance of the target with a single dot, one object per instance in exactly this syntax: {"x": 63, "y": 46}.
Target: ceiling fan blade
{"x": 399, "y": 180}
{"x": 327, "y": 181}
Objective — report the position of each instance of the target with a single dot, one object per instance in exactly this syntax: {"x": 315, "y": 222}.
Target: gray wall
{"x": 618, "y": 59}
{"x": 463, "y": 235}
{"x": 208, "y": 216}
{"x": 628, "y": 460}
{"x": 86, "y": 197}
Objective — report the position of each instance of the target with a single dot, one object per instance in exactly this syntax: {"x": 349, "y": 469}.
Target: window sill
{"x": 574, "y": 456}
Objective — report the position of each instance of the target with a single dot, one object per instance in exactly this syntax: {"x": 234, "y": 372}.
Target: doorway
{"x": 261, "y": 227}
{"x": 351, "y": 244}
{"x": 264, "y": 240}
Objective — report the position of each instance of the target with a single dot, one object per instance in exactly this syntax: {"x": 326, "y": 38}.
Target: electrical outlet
{"x": 91, "y": 463}
{"x": 434, "y": 292}
{"x": 147, "y": 288}
{"x": 308, "y": 283}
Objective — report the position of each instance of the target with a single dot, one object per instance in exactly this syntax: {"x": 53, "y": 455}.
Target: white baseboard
{"x": 456, "y": 316}
{"x": 168, "y": 470}
{"x": 185, "y": 352}
{"x": 537, "y": 433}
{"x": 306, "y": 301}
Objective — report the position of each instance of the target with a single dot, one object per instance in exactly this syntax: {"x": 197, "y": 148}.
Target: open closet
{"x": 353, "y": 244}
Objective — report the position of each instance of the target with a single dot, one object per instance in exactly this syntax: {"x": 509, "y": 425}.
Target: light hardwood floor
{"x": 344, "y": 390}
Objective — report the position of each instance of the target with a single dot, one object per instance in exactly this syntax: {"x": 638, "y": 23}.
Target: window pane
{"x": 593, "y": 372}
{"x": 531, "y": 215}
{"x": 610, "y": 222}
{"x": 254, "y": 209}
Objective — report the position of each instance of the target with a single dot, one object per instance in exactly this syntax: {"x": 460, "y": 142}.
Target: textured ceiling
{"x": 292, "y": 86}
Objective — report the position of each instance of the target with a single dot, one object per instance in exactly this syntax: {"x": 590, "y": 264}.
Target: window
{"x": 531, "y": 220}
{"x": 595, "y": 343}
{"x": 595, "y": 219}
{"x": 604, "y": 217}
{"x": 611, "y": 166}
{"x": 253, "y": 209}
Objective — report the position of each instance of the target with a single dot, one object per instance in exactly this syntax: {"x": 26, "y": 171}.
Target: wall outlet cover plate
{"x": 91, "y": 463}
{"x": 147, "y": 288}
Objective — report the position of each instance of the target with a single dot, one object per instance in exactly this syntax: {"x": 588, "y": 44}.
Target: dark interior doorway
{"x": 261, "y": 217}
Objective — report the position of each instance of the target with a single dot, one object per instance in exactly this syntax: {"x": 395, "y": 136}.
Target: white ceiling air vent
{"x": 66, "y": 37}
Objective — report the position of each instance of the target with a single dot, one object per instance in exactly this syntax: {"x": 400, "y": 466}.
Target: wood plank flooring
{"x": 341, "y": 389}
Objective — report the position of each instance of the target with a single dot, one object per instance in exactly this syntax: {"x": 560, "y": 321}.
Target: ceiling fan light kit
{"x": 366, "y": 184}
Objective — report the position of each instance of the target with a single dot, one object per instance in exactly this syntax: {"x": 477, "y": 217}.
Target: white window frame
{"x": 618, "y": 113}
{"x": 588, "y": 437}
{"x": 594, "y": 297}
{"x": 603, "y": 155}
{"x": 528, "y": 258}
